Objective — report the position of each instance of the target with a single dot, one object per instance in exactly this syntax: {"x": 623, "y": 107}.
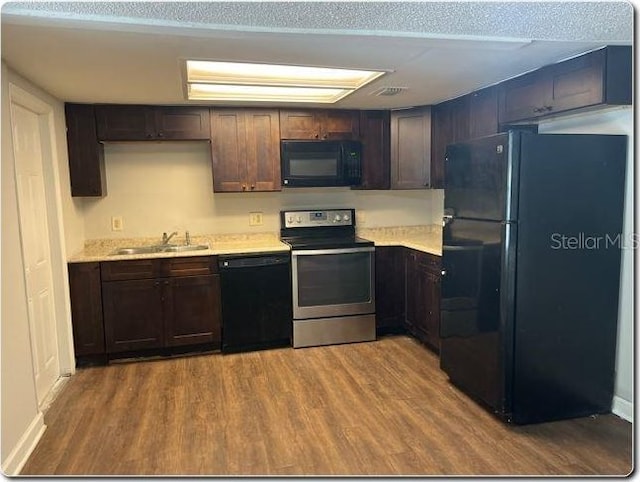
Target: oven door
{"x": 333, "y": 282}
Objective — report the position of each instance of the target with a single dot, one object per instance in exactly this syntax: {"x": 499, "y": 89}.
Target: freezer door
{"x": 481, "y": 178}
{"x": 476, "y": 312}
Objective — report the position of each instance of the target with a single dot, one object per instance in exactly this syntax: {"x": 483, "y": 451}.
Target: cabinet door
{"x": 86, "y": 308}
{"x": 182, "y": 123}
{"x": 133, "y": 315}
{"x": 192, "y": 310}
{"x": 299, "y": 124}
{"x": 411, "y": 148}
{"x": 263, "y": 150}
{"x": 125, "y": 122}
{"x": 340, "y": 124}
{"x": 228, "y": 150}
{"x": 86, "y": 154}
{"x": 412, "y": 291}
{"x": 374, "y": 134}
{"x": 483, "y": 112}
{"x": 431, "y": 269}
{"x": 390, "y": 288}
{"x": 432, "y": 296}
{"x": 442, "y": 136}
{"x": 578, "y": 82}
{"x": 524, "y": 97}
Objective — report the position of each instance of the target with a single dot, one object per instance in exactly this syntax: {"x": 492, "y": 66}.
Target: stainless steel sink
{"x": 161, "y": 248}
{"x": 180, "y": 249}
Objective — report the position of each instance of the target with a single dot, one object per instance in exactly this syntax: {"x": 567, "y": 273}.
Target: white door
{"x": 28, "y": 133}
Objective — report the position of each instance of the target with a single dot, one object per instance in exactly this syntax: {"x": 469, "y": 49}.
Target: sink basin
{"x": 162, "y": 248}
{"x": 180, "y": 249}
{"x": 137, "y": 250}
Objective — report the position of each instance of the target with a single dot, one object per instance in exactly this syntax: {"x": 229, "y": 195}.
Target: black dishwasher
{"x": 256, "y": 301}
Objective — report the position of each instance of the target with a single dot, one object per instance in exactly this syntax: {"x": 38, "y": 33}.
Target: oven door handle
{"x": 314, "y": 252}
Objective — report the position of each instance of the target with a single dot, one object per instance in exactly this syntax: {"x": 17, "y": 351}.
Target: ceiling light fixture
{"x": 266, "y": 82}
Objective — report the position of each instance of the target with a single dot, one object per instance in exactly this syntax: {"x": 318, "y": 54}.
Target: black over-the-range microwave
{"x": 321, "y": 163}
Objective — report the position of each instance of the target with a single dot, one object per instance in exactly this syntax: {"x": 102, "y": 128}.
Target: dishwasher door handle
{"x": 250, "y": 262}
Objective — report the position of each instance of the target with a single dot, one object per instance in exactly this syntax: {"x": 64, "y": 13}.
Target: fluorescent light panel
{"x": 265, "y": 93}
{"x": 287, "y": 83}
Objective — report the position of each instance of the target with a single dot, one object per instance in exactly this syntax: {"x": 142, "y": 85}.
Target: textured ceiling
{"x": 132, "y": 52}
{"x": 563, "y": 20}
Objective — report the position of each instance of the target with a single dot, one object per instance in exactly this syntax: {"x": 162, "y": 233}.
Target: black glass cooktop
{"x": 327, "y": 242}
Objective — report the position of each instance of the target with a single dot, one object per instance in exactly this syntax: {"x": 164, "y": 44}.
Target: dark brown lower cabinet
{"x": 432, "y": 290}
{"x": 128, "y": 306}
{"x": 192, "y": 310}
{"x": 390, "y": 276}
{"x": 408, "y": 293}
{"x": 161, "y": 312}
{"x": 415, "y": 314}
{"x": 422, "y": 297}
{"x": 86, "y": 308}
{"x": 133, "y": 315}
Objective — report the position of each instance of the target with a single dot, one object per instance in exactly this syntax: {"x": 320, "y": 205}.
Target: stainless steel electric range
{"x": 333, "y": 274}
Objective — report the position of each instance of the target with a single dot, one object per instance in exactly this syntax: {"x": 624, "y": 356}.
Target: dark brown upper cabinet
{"x": 467, "y": 117}
{"x": 411, "y": 148}
{"x": 374, "y": 134}
{"x": 143, "y": 122}
{"x": 320, "y": 124}
{"x": 86, "y": 154}
{"x": 245, "y": 147}
{"x": 601, "y": 77}
{"x": 450, "y": 124}
{"x": 483, "y": 112}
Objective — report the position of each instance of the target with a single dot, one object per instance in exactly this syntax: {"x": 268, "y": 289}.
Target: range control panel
{"x": 322, "y": 218}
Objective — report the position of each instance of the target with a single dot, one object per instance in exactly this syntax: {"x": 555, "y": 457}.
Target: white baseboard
{"x": 622, "y": 408}
{"x": 20, "y": 453}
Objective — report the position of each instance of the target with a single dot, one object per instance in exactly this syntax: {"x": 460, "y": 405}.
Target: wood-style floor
{"x": 380, "y": 408}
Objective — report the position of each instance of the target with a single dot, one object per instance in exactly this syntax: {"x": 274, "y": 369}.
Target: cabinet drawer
{"x": 190, "y": 266}
{"x": 130, "y": 269}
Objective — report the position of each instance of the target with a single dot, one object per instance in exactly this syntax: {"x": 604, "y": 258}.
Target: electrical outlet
{"x": 255, "y": 219}
{"x": 116, "y": 223}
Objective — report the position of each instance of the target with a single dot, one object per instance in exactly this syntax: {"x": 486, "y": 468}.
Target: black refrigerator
{"x": 532, "y": 239}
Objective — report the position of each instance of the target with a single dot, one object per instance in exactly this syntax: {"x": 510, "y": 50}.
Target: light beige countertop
{"x": 426, "y": 238}
{"x": 101, "y": 249}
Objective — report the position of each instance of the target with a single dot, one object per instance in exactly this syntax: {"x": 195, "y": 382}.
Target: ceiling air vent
{"x": 388, "y": 91}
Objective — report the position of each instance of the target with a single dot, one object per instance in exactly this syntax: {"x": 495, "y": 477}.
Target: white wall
{"x": 19, "y": 401}
{"x": 21, "y": 420}
{"x": 616, "y": 121}
{"x": 168, "y": 186}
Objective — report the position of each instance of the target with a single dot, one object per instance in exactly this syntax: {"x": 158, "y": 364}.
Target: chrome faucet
{"x": 166, "y": 239}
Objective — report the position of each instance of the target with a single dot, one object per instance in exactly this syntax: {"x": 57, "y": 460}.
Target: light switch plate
{"x": 255, "y": 219}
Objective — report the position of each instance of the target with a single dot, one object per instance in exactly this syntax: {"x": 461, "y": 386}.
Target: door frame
{"x": 51, "y": 176}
